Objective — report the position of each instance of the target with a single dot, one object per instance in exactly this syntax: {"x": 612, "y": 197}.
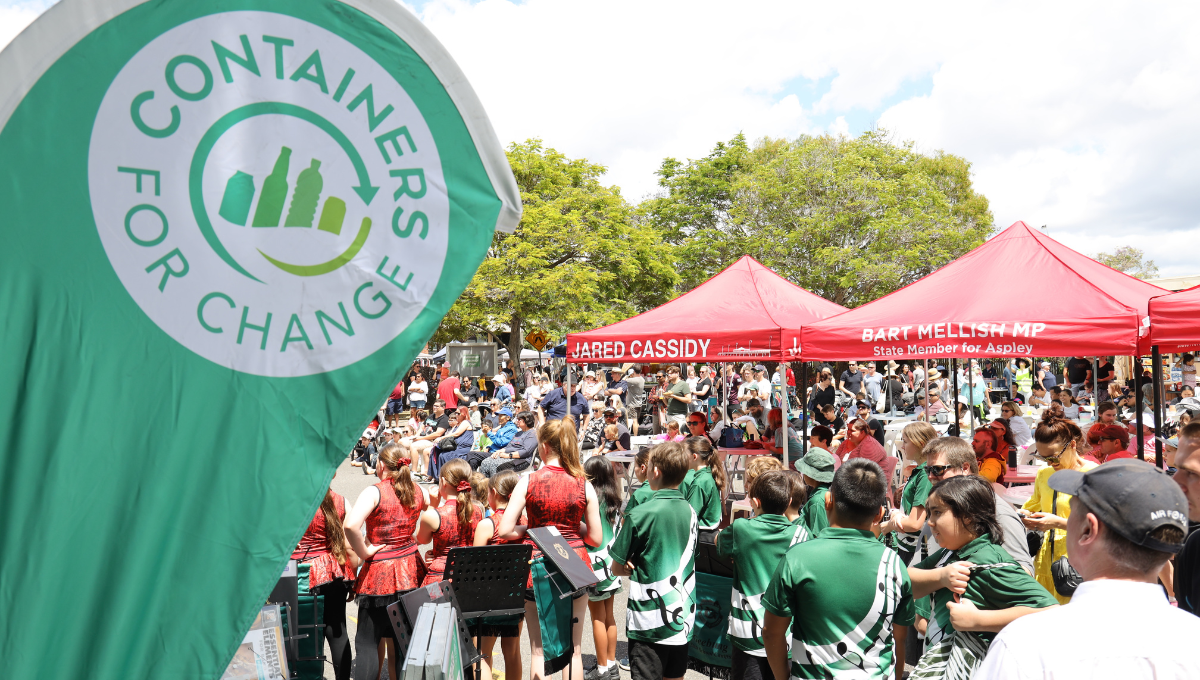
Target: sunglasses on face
{"x": 1006, "y": 410}
{"x": 937, "y": 470}
{"x": 1052, "y": 460}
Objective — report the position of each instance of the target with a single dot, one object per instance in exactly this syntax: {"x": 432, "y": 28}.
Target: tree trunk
{"x": 516, "y": 342}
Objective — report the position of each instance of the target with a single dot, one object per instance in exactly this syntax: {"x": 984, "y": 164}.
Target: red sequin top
{"x": 496, "y": 518}
{"x": 449, "y": 535}
{"x": 555, "y": 498}
{"x": 313, "y": 549}
{"x": 397, "y": 566}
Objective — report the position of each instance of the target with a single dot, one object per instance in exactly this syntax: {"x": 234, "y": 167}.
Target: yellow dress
{"x": 1042, "y": 500}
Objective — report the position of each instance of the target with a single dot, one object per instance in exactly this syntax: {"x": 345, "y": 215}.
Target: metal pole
{"x": 1095, "y": 386}
{"x": 725, "y": 398}
{"x": 1137, "y": 404}
{"x": 1156, "y": 381}
{"x": 783, "y": 412}
{"x": 954, "y": 387}
{"x": 804, "y": 405}
{"x": 567, "y": 391}
{"x": 971, "y": 392}
{"x": 928, "y": 401}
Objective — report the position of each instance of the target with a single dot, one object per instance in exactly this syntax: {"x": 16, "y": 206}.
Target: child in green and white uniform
{"x": 655, "y": 547}
{"x": 599, "y": 472}
{"x": 795, "y": 509}
{"x": 994, "y": 590}
{"x": 641, "y": 462}
{"x": 817, "y": 467}
{"x": 704, "y": 483}
{"x": 842, "y": 591}
{"x": 756, "y": 545}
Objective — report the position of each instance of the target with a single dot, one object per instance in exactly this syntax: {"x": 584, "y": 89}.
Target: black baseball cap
{"x": 1132, "y": 497}
{"x": 863, "y": 404}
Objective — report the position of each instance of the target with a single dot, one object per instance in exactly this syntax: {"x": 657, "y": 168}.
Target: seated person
{"x": 828, "y": 416}
{"x": 1186, "y": 393}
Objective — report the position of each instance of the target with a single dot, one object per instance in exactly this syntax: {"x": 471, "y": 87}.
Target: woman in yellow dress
{"x": 1058, "y": 441}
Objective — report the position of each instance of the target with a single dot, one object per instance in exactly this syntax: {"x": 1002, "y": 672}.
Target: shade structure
{"x": 1175, "y": 321}
{"x": 1019, "y": 294}
{"x": 741, "y": 313}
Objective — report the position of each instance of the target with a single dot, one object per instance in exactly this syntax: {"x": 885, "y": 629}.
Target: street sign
{"x": 538, "y": 339}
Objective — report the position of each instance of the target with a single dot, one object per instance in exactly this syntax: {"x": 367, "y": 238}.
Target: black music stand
{"x": 489, "y": 581}
{"x": 567, "y": 566}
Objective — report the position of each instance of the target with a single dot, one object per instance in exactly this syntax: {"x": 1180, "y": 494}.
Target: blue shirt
{"x": 554, "y": 405}
{"x": 502, "y": 436}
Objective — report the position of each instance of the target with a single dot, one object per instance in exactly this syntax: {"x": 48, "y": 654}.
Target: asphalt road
{"x": 350, "y": 482}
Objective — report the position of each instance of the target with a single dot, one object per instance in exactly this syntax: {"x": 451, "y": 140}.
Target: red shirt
{"x": 445, "y": 392}
{"x": 791, "y": 378}
{"x": 398, "y": 392}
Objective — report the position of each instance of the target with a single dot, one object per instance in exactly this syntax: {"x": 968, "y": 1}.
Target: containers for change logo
{"x": 268, "y": 194}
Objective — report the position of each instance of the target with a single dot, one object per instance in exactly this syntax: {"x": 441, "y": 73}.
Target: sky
{"x": 1075, "y": 115}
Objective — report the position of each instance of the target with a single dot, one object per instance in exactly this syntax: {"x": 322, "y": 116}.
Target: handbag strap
{"x": 1053, "y": 511}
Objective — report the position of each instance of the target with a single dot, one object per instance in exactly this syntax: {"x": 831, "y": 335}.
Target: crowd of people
{"x": 836, "y": 572}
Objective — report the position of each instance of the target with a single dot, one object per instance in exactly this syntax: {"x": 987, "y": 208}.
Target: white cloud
{"x": 1074, "y": 114}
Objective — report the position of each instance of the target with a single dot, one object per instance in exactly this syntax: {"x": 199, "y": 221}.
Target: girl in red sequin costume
{"x": 488, "y": 533}
{"x": 452, "y": 524}
{"x": 391, "y": 564}
{"x": 557, "y": 495}
{"x": 331, "y": 574}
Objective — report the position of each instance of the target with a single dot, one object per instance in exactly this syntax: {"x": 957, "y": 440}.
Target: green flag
{"x": 227, "y": 227}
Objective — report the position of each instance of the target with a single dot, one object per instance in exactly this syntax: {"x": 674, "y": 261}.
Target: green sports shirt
{"x": 641, "y": 495}
{"x": 701, "y": 492}
{"x": 1002, "y": 584}
{"x": 801, "y": 534}
{"x": 843, "y": 591}
{"x": 757, "y": 546}
{"x": 813, "y": 517}
{"x": 916, "y": 494}
{"x": 658, "y": 539}
{"x": 600, "y": 559}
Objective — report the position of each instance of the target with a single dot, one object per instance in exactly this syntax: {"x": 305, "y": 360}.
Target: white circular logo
{"x": 268, "y": 194}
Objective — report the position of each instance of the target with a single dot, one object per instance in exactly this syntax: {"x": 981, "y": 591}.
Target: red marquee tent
{"x": 1019, "y": 294}
{"x": 738, "y": 314}
{"x": 1175, "y": 321}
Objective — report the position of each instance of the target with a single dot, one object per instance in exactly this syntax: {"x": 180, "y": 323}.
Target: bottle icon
{"x": 304, "y": 200}
{"x": 332, "y": 215}
{"x": 239, "y": 194}
{"x": 270, "y": 203}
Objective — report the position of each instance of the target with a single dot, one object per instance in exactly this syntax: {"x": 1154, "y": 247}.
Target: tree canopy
{"x": 578, "y": 259}
{"x": 1130, "y": 260}
{"x": 850, "y": 219}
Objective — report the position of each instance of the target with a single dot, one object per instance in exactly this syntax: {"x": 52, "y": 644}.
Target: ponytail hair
{"x": 335, "y": 535}
{"x": 703, "y": 449}
{"x": 399, "y": 473}
{"x": 457, "y": 475}
{"x": 971, "y": 500}
{"x": 503, "y": 484}
{"x": 560, "y": 437}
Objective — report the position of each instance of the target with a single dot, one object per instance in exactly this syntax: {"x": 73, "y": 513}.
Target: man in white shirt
{"x": 1127, "y": 519}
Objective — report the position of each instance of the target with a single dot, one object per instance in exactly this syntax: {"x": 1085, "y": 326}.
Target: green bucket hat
{"x": 817, "y": 464}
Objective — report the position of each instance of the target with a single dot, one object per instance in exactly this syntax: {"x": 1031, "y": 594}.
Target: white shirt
{"x": 1020, "y": 430}
{"x": 1110, "y": 629}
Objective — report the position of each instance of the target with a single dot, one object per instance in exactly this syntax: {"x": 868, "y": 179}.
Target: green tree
{"x": 1130, "y": 260}
{"x": 850, "y": 219}
{"x": 693, "y": 211}
{"x": 577, "y": 260}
